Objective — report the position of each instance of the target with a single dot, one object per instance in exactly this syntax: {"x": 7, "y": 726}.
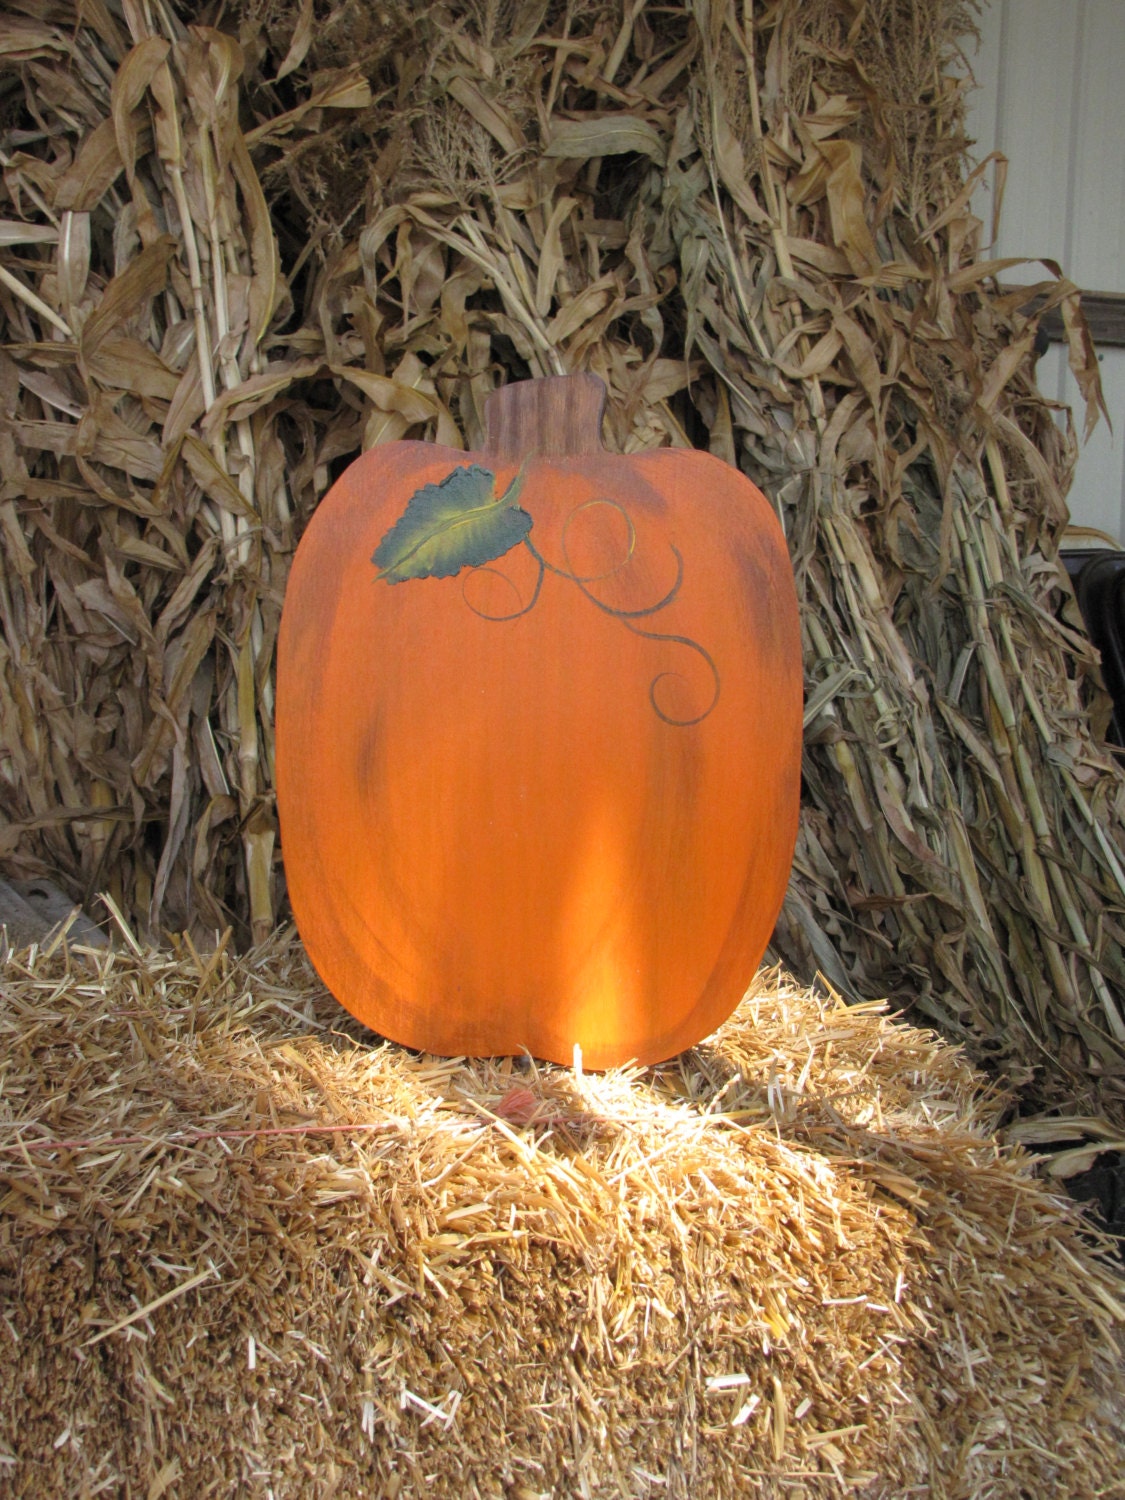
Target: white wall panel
{"x": 1096, "y": 256}
{"x": 1035, "y": 118}
{"x": 984, "y": 108}
{"x": 1097, "y": 496}
{"x": 1051, "y": 97}
{"x": 1052, "y": 374}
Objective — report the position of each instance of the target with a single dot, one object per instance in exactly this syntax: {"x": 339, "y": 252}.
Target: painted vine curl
{"x": 628, "y": 617}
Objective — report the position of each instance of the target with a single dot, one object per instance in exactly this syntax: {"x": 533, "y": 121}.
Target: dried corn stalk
{"x": 229, "y": 265}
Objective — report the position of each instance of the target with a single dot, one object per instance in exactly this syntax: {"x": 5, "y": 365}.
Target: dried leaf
{"x": 142, "y": 279}
{"x": 95, "y": 169}
{"x": 301, "y": 40}
{"x": 495, "y": 120}
{"x": 130, "y": 84}
{"x": 605, "y": 135}
{"x": 847, "y": 202}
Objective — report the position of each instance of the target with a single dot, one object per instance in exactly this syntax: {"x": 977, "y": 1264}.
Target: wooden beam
{"x": 1105, "y": 313}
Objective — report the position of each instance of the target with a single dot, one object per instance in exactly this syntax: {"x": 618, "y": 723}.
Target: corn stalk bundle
{"x": 235, "y": 254}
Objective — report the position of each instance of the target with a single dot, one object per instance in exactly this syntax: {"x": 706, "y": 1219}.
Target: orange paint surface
{"x": 501, "y": 834}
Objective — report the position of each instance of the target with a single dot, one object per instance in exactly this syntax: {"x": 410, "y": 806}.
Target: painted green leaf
{"x": 459, "y": 523}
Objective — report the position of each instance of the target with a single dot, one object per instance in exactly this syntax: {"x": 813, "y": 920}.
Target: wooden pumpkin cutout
{"x": 539, "y": 737}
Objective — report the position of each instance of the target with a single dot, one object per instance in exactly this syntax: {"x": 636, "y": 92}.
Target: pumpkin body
{"x": 553, "y": 799}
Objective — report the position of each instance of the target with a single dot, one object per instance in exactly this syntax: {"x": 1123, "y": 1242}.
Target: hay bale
{"x": 244, "y": 1249}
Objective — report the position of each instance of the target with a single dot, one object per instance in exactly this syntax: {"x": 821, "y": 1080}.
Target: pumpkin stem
{"x": 557, "y": 417}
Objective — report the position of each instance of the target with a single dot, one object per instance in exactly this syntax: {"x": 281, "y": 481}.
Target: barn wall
{"x": 1051, "y": 97}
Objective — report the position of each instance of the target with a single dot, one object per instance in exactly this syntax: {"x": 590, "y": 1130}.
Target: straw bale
{"x": 240, "y": 244}
{"x": 246, "y": 1248}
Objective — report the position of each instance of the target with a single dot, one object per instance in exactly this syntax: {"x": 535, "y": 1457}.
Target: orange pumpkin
{"x": 539, "y": 738}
